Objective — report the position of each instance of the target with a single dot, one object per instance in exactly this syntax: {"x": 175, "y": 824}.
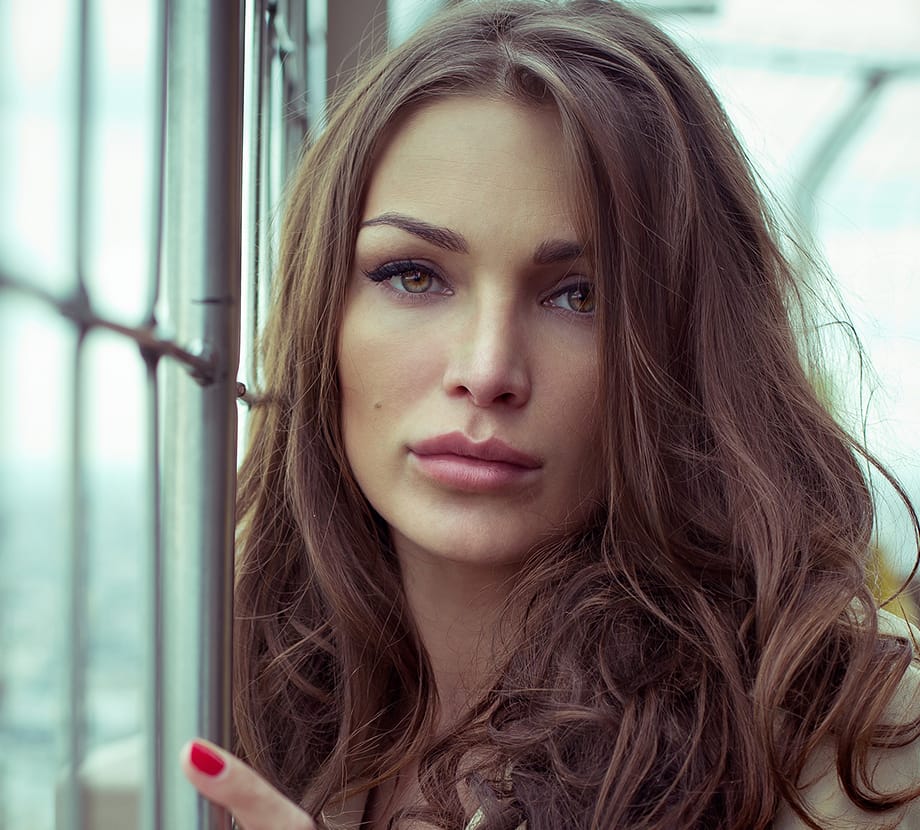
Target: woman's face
{"x": 466, "y": 358}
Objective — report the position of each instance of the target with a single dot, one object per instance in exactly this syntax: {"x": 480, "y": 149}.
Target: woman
{"x": 542, "y": 523}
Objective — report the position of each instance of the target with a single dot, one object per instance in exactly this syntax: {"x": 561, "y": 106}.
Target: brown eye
{"x": 578, "y": 298}
{"x": 415, "y": 282}
{"x": 407, "y": 277}
{"x": 581, "y": 299}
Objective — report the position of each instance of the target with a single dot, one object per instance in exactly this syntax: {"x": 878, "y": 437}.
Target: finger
{"x": 228, "y": 782}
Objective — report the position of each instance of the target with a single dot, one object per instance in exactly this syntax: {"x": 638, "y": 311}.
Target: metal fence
{"x": 187, "y": 339}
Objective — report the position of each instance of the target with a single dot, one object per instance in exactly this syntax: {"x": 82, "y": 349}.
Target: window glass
{"x": 37, "y": 351}
{"x": 37, "y": 99}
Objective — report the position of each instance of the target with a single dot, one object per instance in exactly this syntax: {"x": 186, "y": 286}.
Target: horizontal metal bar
{"x": 202, "y": 365}
{"x": 782, "y": 58}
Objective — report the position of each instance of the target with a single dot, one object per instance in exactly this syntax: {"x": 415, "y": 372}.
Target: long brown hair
{"x": 679, "y": 659}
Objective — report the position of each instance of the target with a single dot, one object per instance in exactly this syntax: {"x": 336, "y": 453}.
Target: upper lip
{"x": 493, "y": 449}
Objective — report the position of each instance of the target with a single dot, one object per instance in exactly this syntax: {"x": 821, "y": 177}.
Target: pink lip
{"x": 455, "y": 461}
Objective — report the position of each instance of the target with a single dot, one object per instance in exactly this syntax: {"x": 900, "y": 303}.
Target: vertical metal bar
{"x": 77, "y": 611}
{"x": 316, "y": 63}
{"x": 161, "y": 51}
{"x": 151, "y": 797}
{"x": 201, "y": 299}
{"x": 255, "y": 142}
{"x": 77, "y": 576}
{"x": 296, "y": 114}
{"x": 272, "y": 115}
{"x": 151, "y": 801}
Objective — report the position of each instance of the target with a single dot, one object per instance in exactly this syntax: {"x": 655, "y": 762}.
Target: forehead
{"x": 471, "y": 162}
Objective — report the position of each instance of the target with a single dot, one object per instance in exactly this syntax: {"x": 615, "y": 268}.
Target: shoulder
{"x": 895, "y": 625}
{"x": 905, "y": 706}
{"x": 890, "y": 769}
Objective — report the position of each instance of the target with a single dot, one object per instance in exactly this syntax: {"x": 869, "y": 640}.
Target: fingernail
{"x": 205, "y": 760}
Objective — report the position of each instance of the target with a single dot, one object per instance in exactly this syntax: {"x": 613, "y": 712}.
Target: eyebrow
{"x": 442, "y": 237}
{"x": 547, "y": 253}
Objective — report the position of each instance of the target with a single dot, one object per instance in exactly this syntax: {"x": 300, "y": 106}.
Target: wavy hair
{"x": 677, "y": 660}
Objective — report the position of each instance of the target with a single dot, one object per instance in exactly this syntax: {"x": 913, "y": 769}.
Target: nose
{"x": 488, "y": 360}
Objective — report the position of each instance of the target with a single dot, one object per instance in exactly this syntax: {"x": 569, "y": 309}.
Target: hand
{"x": 228, "y": 782}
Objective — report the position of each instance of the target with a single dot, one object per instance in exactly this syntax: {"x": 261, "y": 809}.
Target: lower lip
{"x": 473, "y": 475}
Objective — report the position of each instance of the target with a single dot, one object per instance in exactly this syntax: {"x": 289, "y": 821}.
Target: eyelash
{"x": 388, "y": 271}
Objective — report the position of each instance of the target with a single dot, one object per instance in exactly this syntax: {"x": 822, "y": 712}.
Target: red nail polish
{"x": 205, "y": 760}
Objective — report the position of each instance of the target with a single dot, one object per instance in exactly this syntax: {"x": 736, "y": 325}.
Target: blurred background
{"x": 824, "y": 93}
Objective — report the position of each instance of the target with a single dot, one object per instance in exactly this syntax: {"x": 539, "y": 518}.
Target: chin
{"x": 483, "y": 549}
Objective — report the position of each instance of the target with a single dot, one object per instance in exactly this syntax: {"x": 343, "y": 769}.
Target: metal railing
{"x": 188, "y": 340}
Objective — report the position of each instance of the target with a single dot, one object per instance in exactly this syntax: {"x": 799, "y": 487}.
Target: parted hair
{"x": 676, "y": 661}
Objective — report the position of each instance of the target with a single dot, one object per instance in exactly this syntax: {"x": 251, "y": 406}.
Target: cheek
{"x": 382, "y": 369}
{"x": 573, "y": 383}
{"x": 362, "y": 391}
{"x": 581, "y": 419}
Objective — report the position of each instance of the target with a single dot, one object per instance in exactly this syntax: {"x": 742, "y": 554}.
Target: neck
{"x": 455, "y": 607}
